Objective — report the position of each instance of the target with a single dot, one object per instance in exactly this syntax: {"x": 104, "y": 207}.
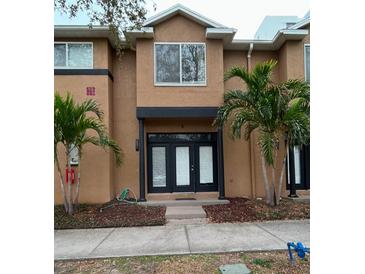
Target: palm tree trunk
{"x": 76, "y": 200}
{"x": 266, "y": 181}
{"x": 273, "y": 197}
{"x": 62, "y": 181}
{"x": 70, "y": 205}
{"x": 282, "y": 175}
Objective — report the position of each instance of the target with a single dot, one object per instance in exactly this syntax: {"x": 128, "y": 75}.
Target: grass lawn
{"x": 123, "y": 215}
{"x": 245, "y": 210}
{"x": 258, "y": 262}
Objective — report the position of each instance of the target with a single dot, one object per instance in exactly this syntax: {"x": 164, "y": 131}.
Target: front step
{"x": 194, "y": 221}
{"x": 173, "y": 203}
{"x": 185, "y": 212}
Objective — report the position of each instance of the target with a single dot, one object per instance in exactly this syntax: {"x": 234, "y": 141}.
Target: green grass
{"x": 262, "y": 262}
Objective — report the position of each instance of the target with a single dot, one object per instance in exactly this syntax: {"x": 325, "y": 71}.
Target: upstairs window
{"x": 307, "y": 63}
{"x": 73, "y": 55}
{"x": 180, "y": 64}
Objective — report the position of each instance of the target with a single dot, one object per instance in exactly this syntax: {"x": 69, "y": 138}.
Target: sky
{"x": 243, "y": 15}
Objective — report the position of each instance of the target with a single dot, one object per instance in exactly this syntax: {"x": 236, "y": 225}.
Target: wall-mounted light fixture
{"x": 137, "y": 144}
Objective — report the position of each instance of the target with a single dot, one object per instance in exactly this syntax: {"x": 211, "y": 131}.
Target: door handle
{"x": 192, "y": 168}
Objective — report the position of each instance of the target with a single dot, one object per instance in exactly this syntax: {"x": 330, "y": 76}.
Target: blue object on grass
{"x": 299, "y": 248}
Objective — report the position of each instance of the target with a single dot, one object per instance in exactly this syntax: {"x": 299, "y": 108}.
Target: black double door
{"x": 182, "y": 162}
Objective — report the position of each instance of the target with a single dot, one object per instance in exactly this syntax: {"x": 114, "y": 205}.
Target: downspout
{"x": 251, "y": 142}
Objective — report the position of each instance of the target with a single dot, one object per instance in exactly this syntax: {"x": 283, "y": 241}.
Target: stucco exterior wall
{"x": 179, "y": 29}
{"x": 237, "y": 165}
{"x": 125, "y": 124}
{"x": 95, "y": 164}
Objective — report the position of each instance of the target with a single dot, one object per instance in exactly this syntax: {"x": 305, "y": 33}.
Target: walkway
{"x": 178, "y": 239}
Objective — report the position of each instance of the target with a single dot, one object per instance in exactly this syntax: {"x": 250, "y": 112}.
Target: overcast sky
{"x": 243, "y": 15}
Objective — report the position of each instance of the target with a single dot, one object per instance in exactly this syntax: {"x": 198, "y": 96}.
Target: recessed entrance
{"x": 182, "y": 162}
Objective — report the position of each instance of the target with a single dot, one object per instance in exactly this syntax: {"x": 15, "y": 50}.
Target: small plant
{"x": 262, "y": 262}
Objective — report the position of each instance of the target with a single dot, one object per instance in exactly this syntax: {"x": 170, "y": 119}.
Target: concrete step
{"x": 193, "y": 221}
{"x": 173, "y": 203}
{"x": 185, "y": 212}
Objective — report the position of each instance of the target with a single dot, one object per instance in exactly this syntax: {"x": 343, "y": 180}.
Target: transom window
{"x": 73, "y": 54}
{"x": 180, "y": 64}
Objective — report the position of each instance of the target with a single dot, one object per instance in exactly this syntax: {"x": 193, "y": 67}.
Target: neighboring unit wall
{"x": 96, "y": 175}
{"x": 179, "y": 29}
{"x": 242, "y": 159}
{"x": 291, "y": 57}
{"x": 237, "y": 165}
{"x": 125, "y": 124}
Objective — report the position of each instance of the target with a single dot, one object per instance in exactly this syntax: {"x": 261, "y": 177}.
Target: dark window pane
{"x": 167, "y": 63}
{"x": 193, "y": 63}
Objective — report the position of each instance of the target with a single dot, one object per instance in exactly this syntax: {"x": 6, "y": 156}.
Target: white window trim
{"x": 305, "y": 61}
{"x": 181, "y": 84}
{"x": 67, "y": 43}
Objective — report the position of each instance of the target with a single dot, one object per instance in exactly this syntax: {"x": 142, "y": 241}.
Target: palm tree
{"x": 73, "y": 124}
{"x": 275, "y": 111}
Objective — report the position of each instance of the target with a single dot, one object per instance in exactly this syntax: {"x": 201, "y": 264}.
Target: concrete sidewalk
{"x": 178, "y": 239}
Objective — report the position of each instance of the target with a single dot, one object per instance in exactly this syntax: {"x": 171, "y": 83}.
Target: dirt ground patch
{"x": 258, "y": 262}
{"x": 123, "y": 215}
{"x": 245, "y": 210}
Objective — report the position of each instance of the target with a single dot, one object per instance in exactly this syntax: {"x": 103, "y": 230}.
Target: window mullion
{"x": 67, "y": 55}
{"x": 180, "y": 66}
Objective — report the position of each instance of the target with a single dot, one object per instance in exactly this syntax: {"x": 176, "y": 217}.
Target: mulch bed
{"x": 123, "y": 215}
{"x": 257, "y": 262}
{"x": 245, "y": 210}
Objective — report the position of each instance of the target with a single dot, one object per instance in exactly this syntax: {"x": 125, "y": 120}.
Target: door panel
{"x": 159, "y": 178}
{"x": 158, "y": 167}
{"x": 298, "y": 167}
{"x": 206, "y": 167}
{"x": 205, "y": 164}
{"x": 182, "y": 160}
{"x": 182, "y": 167}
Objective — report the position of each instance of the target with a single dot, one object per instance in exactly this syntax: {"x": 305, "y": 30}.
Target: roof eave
{"x": 280, "y": 38}
{"x": 145, "y": 32}
{"x": 180, "y": 9}
{"x": 71, "y": 31}
{"x": 226, "y": 34}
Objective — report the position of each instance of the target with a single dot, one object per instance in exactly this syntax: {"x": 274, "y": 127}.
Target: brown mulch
{"x": 122, "y": 215}
{"x": 245, "y": 210}
{"x": 257, "y": 262}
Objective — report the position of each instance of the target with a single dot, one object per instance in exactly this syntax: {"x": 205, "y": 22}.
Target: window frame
{"x": 67, "y": 66}
{"x": 305, "y": 61}
{"x": 181, "y": 84}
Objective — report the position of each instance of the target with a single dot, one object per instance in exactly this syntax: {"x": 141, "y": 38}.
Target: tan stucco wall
{"x": 125, "y": 124}
{"x": 95, "y": 164}
{"x": 179, "y": 29}
{"x": 237, "y": 167}
{"x": 243, "y": 174}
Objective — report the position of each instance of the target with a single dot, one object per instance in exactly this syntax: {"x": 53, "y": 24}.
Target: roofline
{"x": 270, "y": 45}
{"x": 301, "y": 23}
{"x": 86, "y": 31}
{"x": 176, "y": 8}
{"x": 226, "y": 34}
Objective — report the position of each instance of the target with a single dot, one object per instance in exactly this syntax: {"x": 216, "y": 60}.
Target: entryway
{"x": 182, "y": 162}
